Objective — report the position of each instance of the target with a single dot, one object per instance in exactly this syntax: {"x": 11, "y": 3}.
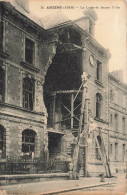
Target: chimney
{"x": 90, "y": 17}
{"x": 24, "y": 4}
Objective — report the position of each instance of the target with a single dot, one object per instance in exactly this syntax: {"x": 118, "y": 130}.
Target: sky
{"x": 110, "y": 28}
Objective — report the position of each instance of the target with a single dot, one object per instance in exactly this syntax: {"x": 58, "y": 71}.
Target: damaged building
{"x": 41, "y": 68}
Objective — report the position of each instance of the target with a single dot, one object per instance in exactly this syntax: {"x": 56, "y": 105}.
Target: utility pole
{"x": 80, "y": 151}
{"x": 84, "y": 149}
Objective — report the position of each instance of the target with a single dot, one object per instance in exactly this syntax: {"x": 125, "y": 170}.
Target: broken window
{"x": 2, "y": 85}
{"x": 28, "y": 143}
{"x": 99, "y": 71}
{"x": 1, "y": 36}
{"x": 70, "y": 36}
{"x": 28, "y": 93}
{"x": 29, "y": 51}
{"x": 98, "y": 105}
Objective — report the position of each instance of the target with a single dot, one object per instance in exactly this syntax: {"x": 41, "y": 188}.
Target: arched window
{"x": 98, "y": 105}
{"x": 28, "y": 143}
{"x": 2, "y": 84}
{"x": 28, "y": 93}
{"x": 2, "y": 141}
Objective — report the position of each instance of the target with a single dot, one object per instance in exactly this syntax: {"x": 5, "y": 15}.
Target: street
{"x": 89, "y": 186}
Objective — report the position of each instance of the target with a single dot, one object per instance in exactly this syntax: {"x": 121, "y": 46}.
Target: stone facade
{"x": 42, "y": 72}
{"x": 118, "y": 123}
{"x": 15, "y": 115}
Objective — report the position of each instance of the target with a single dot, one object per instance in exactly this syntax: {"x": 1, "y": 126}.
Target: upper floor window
{"x": 123, "y": 124}
{"x": 99, "y": 71}
{"x": 29, "y": 51}
{"x": 116, "y": 96}
{"x": 98, "y": 105}
{"x": 111, "y": 149}
{"x": 123, "y": 152}
{"x": 28, "y": 93}
{"x": 116, "y": 122}
{"x": 111, "y": 95}
{"x": 2, "y": 84}
{"x": 1, "y": 35}
{"x": 124, "y": 101}
{"x": 111, "y": 120}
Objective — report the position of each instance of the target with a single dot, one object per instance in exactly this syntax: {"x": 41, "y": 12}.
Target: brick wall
{"x": 13, "y": 85}
{"x": 14, "y": 43}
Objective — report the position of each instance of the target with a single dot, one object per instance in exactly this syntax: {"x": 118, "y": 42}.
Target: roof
{"x": 54, "y": 20}
{"x": 25, "y": 12}
{"x": 114, "y": 78}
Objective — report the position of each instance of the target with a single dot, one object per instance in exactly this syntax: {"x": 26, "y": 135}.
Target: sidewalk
{"x": 53, "y": 187}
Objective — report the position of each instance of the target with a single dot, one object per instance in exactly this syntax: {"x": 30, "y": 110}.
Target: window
{"x": 98, "y": 157}
{"x": 28, "y": 143}
{"x": 116, "y": 122}
{"x": 98, "y": 105}
{"x": 111, "y": 120}
{"x": 2, "y": 85}
{"x": 111, "y": 95}
{"x": 116, "y": 96}
{"x": 1, "y": 36}
{"x": 2, "y": 141}
{"x": 110, "y": 149}
{"x": 123, "y": 152}
{"x": 116, "y": 151}
{"x": 124, "y": 101}
{"x": 28, "y": 93}
{"x": 29, "y": 51}
{"x": 99, "y": 71}
{"x": 123, "y": 124}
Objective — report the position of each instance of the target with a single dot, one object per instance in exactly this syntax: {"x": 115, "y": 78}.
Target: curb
{"x": 74, "y": 189}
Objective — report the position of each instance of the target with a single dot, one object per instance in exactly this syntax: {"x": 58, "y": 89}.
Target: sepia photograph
{"x": 63, "y": 97}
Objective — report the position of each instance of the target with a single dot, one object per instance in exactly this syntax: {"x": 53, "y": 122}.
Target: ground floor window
{"x": 116, "y": 151}
{"x": 98, "y": 148}
{"x": 28, "y": 143}
{"x": 2, "y": 141}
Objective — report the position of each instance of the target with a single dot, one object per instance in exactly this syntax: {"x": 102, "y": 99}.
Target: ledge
{"x": 101, "y": 120}
{"x": 30, "y": 66}
{"x": 99, "y": 83}
{"x": 20, "y": 108}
